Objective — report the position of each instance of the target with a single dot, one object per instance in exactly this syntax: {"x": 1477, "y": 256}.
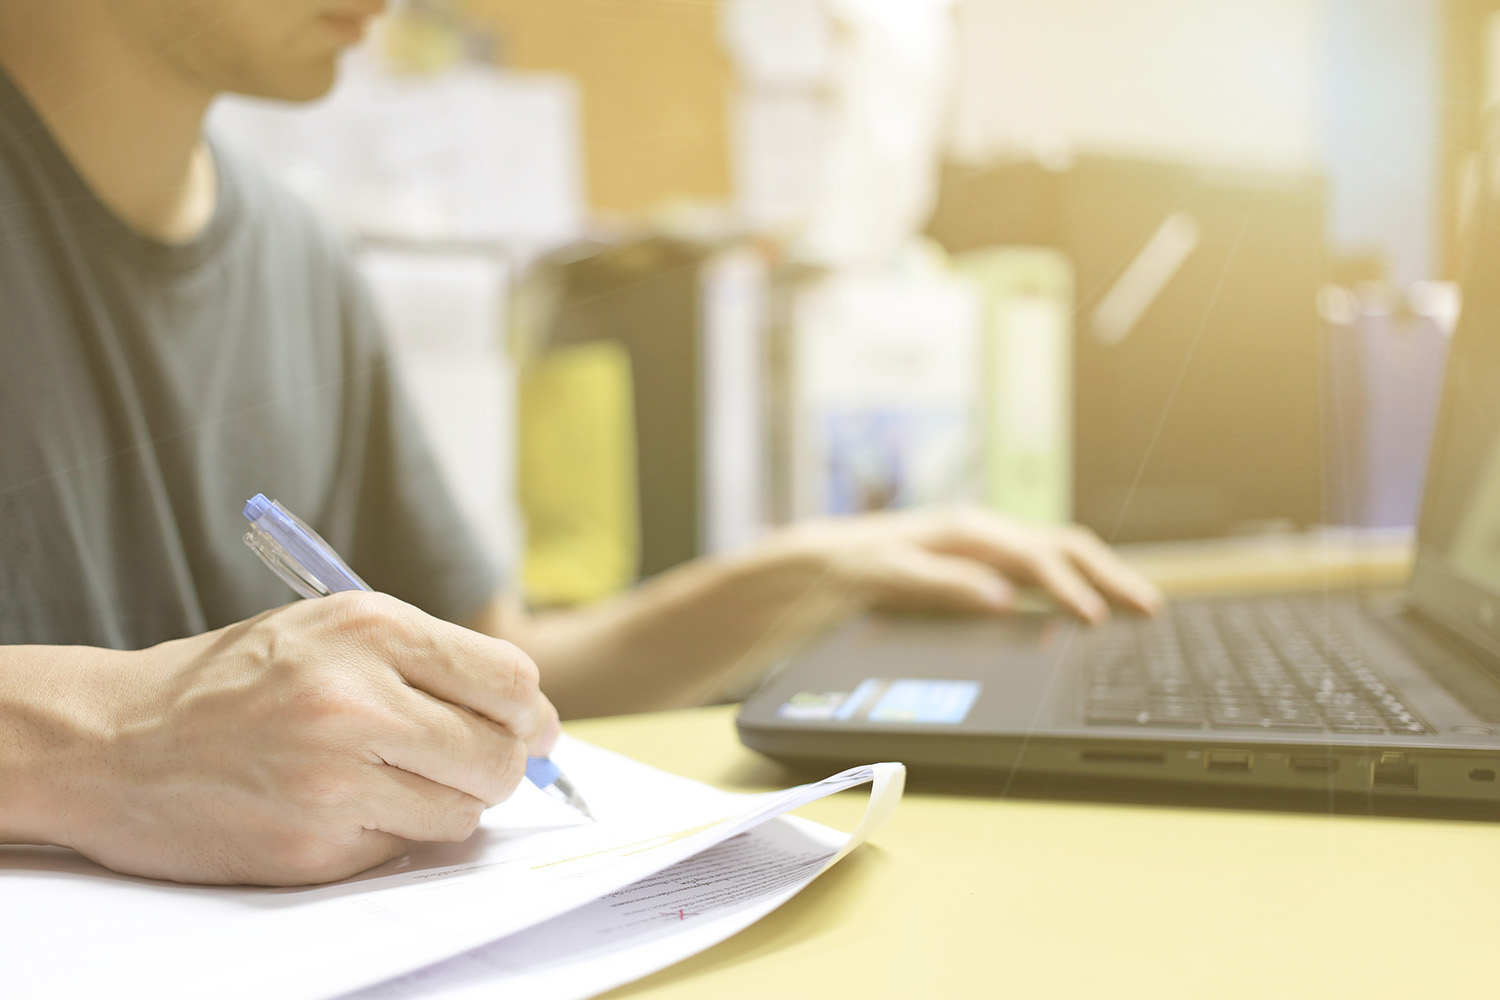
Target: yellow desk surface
{"x": 972, "y": 891}
{"x": 969, "y": 892}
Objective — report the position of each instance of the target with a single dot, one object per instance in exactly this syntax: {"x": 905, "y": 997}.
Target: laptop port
{"x": 1482, "y": 774}
{"x": 1227, "y": 760}
{"x": 1393, "y": 770}
{"x": 1312, "y": 765}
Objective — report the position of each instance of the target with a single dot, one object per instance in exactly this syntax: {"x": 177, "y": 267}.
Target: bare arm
{"x": 696, "y": 633}
{"x": 52, "y": 701}
{"x": 681, "y": 639}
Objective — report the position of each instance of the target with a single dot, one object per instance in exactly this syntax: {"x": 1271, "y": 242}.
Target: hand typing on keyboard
{"x": 967, "y": 559}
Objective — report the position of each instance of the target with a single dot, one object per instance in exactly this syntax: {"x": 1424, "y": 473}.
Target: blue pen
{"x": 307, "y": 564}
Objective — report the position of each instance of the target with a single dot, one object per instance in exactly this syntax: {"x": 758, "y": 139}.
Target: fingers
{"x": 1108, "y": 572}
{"x": 914, "y": 578}
{"x": 372, "y": 819}
{"x": 412, "y": 807}
{"x": 1061, "y": 579}
{"x": 454, "y": 665}
{"x": 1071, "y": 564}
{"x": 461, "y": 750}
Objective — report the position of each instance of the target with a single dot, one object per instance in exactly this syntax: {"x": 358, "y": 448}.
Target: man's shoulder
{"x": 43, "y": 210}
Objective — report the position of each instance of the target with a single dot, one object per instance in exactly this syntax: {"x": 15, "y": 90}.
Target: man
{"x": 176, "y": 334}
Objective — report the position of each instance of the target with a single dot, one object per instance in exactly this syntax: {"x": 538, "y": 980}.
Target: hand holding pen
{"x": 305, "y": 744}
{"x": 310, "y": 566}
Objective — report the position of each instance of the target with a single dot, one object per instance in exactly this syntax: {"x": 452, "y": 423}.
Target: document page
{"x": 71, "y": 928}
{"x": 651, "y": 923}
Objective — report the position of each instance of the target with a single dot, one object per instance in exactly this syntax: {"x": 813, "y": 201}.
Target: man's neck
{"x": 130, "y": 125}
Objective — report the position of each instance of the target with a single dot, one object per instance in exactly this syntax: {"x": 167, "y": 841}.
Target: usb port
{"x": 1393, "y": 770}
{"x": 1227, "y": 760}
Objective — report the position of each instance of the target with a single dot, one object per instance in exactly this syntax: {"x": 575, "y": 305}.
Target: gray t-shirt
{"x": 147, "y": 391}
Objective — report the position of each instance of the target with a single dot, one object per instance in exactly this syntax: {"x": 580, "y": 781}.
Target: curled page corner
{"x": 887, "y": 783}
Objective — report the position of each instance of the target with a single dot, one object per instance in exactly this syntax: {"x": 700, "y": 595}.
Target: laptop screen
{"x": 1456, "y": 580}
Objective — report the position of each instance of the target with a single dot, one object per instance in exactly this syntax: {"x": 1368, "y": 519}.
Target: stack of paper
{"x": 538, "y": 901}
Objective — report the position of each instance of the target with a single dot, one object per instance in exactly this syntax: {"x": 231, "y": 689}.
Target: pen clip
{"x": 275, "y": 557}
{"x": 296, "y": 553}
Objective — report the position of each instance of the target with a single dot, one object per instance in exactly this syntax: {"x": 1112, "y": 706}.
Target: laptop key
{"x": 1355, "y": 726}
{"x": 1126, "y": 715}
{"x": 1174, "y": 712}
{"x": 1233, "y": 715}
{"x": 1354, "y": 715}
{"x": 1269, "y": 722}
{"x": 1298, "y": 716}
{"x": 1171, "y": 718}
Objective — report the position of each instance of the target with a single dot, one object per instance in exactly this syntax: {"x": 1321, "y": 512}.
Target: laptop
{"x": 1393, "y": 695}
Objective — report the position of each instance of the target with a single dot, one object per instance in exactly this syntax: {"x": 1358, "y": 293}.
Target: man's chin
{"x": 309, "y": 84}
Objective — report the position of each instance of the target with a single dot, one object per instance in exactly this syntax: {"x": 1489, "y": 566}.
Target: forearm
{"x": 700, "y": 631}
{"x": 688, "y": 636}
{"x": 50, "y": 713}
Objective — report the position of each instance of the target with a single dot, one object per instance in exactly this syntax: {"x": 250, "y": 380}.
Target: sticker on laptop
{"x": 812, "y": 706}
{"x": 920, "y": 702}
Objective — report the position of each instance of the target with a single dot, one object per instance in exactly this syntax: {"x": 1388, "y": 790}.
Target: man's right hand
{"x": 303, "y": 745}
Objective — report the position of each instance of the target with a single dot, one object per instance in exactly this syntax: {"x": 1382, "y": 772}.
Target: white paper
{"x": 654, "y": 922}
{"x": 71, "y": 928}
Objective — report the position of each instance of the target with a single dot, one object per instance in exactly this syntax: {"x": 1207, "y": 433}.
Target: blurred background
{"x": 664, "y": 274}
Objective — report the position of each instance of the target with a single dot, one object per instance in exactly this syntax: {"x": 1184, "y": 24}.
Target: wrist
{"x": 53, "y": 720}
{"x": 813, "y": 561}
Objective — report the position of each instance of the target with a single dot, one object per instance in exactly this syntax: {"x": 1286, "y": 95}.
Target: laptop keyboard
{"x": 1261, "y": 664}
